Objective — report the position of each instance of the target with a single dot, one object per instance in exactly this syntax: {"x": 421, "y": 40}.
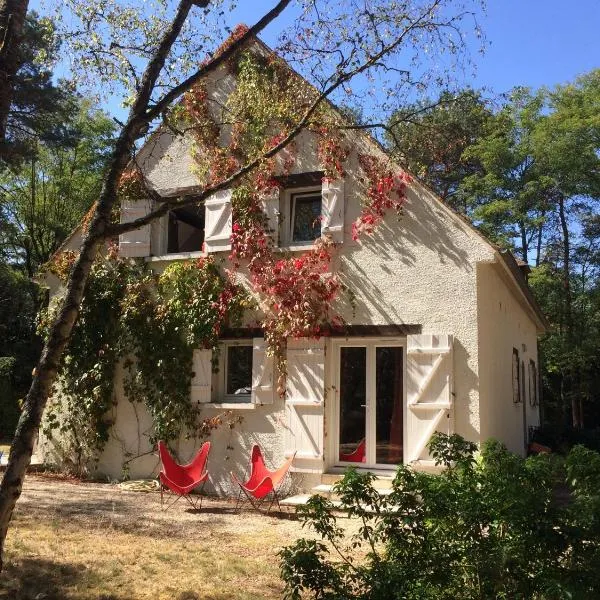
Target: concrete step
{"x": 301, "y": 499}
{"x": 298, "y": 500}
{"x": 326, "y": 491}
{"x": 381, "y": 482}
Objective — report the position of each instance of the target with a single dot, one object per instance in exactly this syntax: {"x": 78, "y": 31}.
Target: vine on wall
{"x": 155, "y": 323}
{"x": 158, "y": 321}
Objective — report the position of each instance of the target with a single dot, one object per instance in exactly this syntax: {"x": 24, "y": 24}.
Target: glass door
{"x": 370, "y": 404}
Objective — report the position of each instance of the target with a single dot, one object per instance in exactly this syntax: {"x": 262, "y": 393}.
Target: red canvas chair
{"x": 180, "y": 480}
{"x": 262, "y": 481}
{"x": 357, "y": 455}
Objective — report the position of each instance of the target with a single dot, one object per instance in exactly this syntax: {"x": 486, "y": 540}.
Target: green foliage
{"x": 431, "y": 138}
{"x": 150, "y": 323}
{"x": 40, "y": 108}
{"x": 19, "y": 344}
{"x": 488, "y": 526}
{"x": 44, "y": 197}
{"x": 9, "y": 411}
{"x": 164, "y": 322}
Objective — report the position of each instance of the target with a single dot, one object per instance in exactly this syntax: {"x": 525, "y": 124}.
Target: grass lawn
{"x": 71, "y": 540}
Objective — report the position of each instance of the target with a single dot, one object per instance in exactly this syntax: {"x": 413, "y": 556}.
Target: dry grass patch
{"x": 93, "y": 541}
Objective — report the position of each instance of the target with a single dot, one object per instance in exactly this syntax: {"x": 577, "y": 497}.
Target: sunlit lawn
{"x": 94, "y": 541}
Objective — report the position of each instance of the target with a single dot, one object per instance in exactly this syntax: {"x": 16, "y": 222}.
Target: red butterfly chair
{"x": 358, "y": 455}
{"x": 180, "y": 480}
{"x": 262, "y": 481}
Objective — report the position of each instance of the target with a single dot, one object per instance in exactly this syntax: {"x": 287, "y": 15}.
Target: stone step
{"x": 381, "y": 482}
{"x": 326, "y": 490}
{"x": 301, "y": 499}
{"x": 298, "y": 500}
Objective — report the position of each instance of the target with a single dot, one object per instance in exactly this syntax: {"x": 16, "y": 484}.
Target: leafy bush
{"x": 9, "y": 408}
{"x": 488, "y": 526}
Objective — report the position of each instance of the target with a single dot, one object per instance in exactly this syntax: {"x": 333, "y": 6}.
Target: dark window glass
{"x": 306, "y": 217}
{"x": 353, "y": 402}
{"x": 239, "y": 370}
{"x": 389, "y": 395}
{"x": 516, "y": 384}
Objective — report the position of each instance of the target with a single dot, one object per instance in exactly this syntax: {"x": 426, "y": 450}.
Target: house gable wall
{"x": 420, "y": 268}
{"x": 503, "y": 324}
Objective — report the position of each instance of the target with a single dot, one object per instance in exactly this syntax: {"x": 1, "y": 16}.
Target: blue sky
{"x": 530, "y": 42}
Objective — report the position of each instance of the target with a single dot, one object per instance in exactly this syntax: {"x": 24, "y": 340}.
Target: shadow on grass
{"x": 231, "y": 510}
{"x": 40, "y": 579}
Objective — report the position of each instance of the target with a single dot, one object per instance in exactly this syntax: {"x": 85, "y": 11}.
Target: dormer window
{"x": 185, "y": 230}
{"x": 308, "y": 207}
{"x": 305, "y": 216}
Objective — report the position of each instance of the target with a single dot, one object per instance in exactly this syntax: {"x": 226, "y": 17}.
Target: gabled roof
{"x": 504, "y": 257}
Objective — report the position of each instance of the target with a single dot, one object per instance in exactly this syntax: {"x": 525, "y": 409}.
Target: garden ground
{"x": 82, "y": 541}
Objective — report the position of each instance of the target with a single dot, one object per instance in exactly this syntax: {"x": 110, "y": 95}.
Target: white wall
{"x": 417, "y": 269}
{"x": 503, "y": 325}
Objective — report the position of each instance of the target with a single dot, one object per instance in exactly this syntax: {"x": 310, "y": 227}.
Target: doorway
{"x": 369, "y": 407}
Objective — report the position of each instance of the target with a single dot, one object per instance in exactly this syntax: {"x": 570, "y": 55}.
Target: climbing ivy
{"x": 155, "y": 322}
{"x": 151, "y": 323}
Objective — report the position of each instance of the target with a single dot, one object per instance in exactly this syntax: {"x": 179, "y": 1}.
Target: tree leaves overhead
{"x": 430, "y": 138}
{"x": 40, "y": 107}
{"x": 44, "y": 197}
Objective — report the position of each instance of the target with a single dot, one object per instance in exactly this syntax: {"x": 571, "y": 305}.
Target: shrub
{"x": 488, "y": 526}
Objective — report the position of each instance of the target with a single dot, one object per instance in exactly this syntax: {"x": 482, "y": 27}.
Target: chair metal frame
{"x": 261, "y": 481}
{"x": 191, "y": 475}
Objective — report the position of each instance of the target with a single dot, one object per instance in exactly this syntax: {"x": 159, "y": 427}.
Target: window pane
{"x": 307, "y": 218}
{"x": 239, "y": 370}
{"x": 389, "y": 395}
{"x": 353, "y": 402}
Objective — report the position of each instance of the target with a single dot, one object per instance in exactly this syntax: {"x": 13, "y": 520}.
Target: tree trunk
{"x": 576, "y": 416}
{"x": 60, "y": 331}
{"x": 12, "y": 17}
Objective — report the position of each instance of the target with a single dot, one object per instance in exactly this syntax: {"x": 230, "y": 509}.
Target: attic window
{"x": 185, "y": 230}
{"x": 305, "y": 216}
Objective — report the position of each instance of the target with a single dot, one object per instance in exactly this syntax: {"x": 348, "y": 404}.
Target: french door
{"x": 369, "y": 407}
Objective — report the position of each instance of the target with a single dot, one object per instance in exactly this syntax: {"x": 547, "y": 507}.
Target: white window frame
{"x": 220, "y": 377}
{"x": 371, "y": 343}
{"x": 286, "y": 227}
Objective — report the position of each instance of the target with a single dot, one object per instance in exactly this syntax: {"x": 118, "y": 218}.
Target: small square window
{"x": 238, "y": 372}
{"x": 305, "y": 216}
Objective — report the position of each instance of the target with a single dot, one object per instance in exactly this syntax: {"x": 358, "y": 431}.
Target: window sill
{"x": 176, "y": 256}
{"x": 232, "y": 405}
{"x": 295, "y": 247}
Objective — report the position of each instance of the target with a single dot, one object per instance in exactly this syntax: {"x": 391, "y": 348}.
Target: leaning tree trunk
{"x": 12, "y": 17}
{"x": 45, "y": 373}
{"x": 139, "y": 118}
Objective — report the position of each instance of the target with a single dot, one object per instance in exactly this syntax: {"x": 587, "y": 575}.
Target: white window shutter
{"x": 135, "y": 243}
{"x": 430, "y": 399}
{"x": 263, "y": 379}
{"x": 332, "y": 209}
{"x": 217, "y": 228}
{"x": 270, "y": 205}
{"x": 305, "y": 392}
{"x": 202, "y": 379}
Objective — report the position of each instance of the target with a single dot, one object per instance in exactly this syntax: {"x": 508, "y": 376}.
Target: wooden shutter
{"x": 332, "y": 209}
{"x": 305, "y": 392}
{"x": 217, "y": 234}
{"x": 137, "y": 242}
{"x": 270, "y": 205}
{"x": 430, "y": 400}
{"x": 202, "y": 378}
{"x": 263, "y": 379}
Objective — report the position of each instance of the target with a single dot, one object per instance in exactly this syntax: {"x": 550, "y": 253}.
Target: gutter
{"x": 506, "y": 259}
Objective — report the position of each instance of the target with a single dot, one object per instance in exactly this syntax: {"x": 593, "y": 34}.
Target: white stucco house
{"x": 441, "y": 335}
